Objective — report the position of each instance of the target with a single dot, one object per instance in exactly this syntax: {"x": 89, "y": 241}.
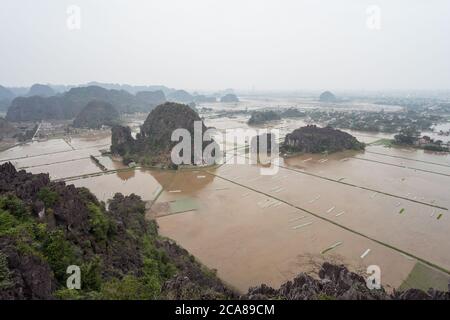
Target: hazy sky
{"x": 216, "y": 44}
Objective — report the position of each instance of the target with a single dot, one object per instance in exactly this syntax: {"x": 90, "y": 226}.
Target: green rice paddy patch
{"x": 383, "y": 142}
{"x": 424, "y": 277}
{"x": 182, "y": 205}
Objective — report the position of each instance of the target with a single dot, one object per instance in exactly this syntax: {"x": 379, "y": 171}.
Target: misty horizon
{"x": 255, "y": 46}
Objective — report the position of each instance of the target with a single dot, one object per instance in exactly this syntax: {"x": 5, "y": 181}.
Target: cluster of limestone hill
{"x": 69, "y": 104}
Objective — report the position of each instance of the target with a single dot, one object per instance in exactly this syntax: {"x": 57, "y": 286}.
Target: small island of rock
{"x": 260, "y": 117}
{"x": 327, "y": 96}
{"x": 153, "y": 145}
{"x": 292, "y": 113}
{"x": 312, "y": 139}
{"x": 229, "y": 98}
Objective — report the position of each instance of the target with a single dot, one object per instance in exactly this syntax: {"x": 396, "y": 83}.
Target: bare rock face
{"x": 96, "y": 114}
{"x": 29, "y": 276}
{"x": 121, "y": 138}
{"x": 312, "y": 139}
{"x": 26, "y": 186}
{"x": 337, "y": 282}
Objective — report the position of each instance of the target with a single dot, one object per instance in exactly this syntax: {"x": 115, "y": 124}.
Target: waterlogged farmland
{"x": 382, "y": 206}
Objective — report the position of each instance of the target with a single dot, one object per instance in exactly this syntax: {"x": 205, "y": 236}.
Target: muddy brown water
{"x": 253, "y": 229}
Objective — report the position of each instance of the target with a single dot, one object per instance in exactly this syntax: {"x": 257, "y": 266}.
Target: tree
{"x": 48, "y": 196}
{"x": 407, "y": 135}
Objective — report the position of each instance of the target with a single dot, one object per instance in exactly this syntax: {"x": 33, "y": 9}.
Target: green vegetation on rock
{"x": 260, "y": 117}
{"x": 312, "y": 139}
{"x": 120, "y": 254}
{"x": 48, "y": 197}
{"x": 153, "y": 144}
{"x": 96, "y": 114}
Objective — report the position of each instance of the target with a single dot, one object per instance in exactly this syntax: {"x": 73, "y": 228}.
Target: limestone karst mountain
{"x": 230, "y": 97}
{"x": 153, "y": 144}
{"x": 96, "y": 114}
{"x": 327, "y": 96}
{"x": 313, "y": 139}
{"x": 69, "y": 104}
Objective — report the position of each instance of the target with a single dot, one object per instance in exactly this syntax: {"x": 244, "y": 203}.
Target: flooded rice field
{"x": 383, "y": 206}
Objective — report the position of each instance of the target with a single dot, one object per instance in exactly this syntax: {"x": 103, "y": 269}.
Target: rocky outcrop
{"x": 122, "y": 143}
{"x": 41, "y": 90}
{"x": 153, "y": 144}
{"x": 327, "y": 96}
{"x": 27, "y": 188}
{"x": 230, "y": 97}
{"x": 292, "y": 113}
{"x": 29, "y": 276}
{"x": 260, "y": 117}
{"x": 337, "y": 282}
{"x": 96, "y": 114}
{"x": 191, "y": 282}
{"x": 200, "y": 98}
{"x": 259, "y": 140}
{"x": 162, "y": 121}
{"x": 312, "y": 139}
{"x": 79, "y": 213}
{"x": 46, "y": 226}
{"x": 123, "y": 254}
